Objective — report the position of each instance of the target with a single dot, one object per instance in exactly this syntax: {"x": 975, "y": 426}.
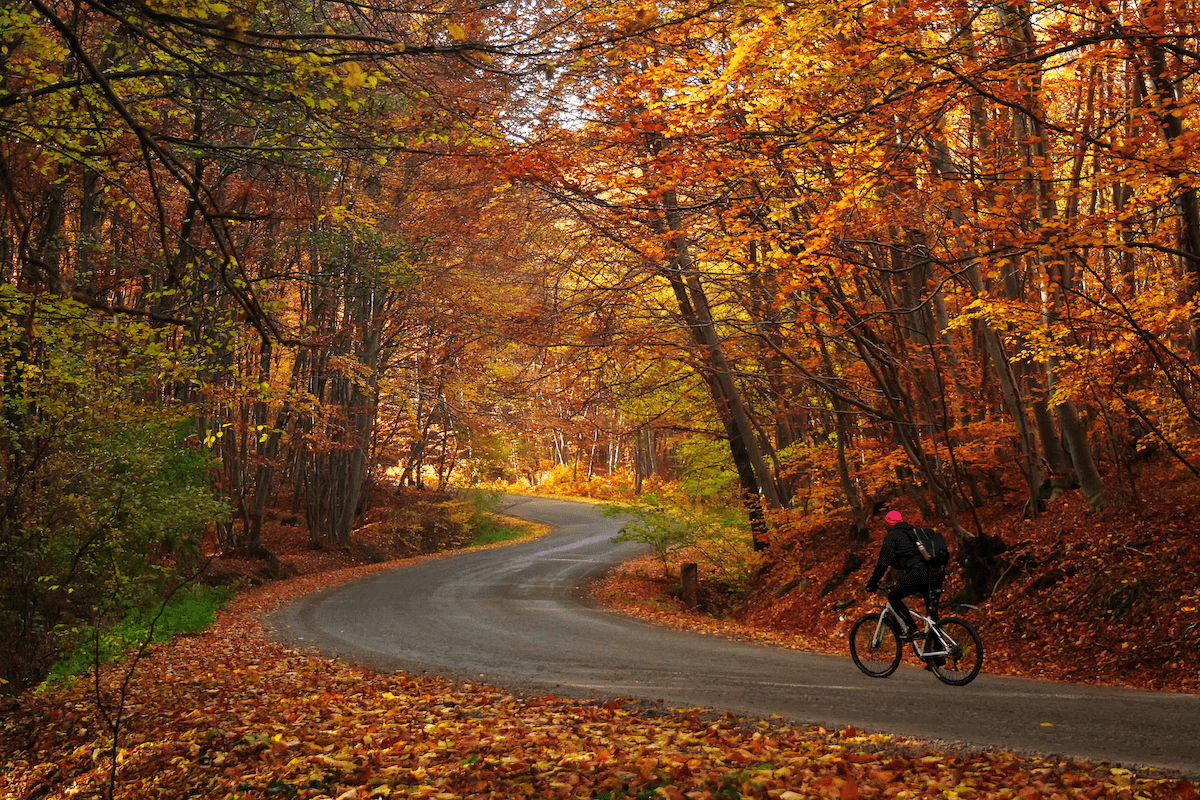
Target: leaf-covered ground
{"x": 1108, "y": 599}
{"x": 232, "y": 714}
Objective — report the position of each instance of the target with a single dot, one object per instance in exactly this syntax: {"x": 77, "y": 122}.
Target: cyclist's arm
{"x": 885, "y": 561}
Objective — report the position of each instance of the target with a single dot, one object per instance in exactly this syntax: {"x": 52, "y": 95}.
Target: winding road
{"x": 515, "y": 617}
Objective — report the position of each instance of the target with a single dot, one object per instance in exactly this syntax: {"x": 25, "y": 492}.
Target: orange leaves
{"x": 353, "y": 734}
{"x": 230, "y": 714}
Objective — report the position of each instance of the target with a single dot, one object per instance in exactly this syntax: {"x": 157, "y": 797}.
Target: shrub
{"x": 720, "y": 538}
{"x": 105, "y": 520}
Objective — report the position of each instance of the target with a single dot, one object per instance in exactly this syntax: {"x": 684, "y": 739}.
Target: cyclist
{"x": 899, "y": 550}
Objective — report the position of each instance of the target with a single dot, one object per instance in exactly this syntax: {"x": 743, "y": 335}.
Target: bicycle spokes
{"x": 875, "y": 645}
{"x": 963, "y": 652}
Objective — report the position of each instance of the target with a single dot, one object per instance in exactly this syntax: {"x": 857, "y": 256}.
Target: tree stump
{"x": 689, "y": 577}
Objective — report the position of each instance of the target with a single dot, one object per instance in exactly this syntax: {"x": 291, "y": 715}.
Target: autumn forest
{"x": 807, "y": 258}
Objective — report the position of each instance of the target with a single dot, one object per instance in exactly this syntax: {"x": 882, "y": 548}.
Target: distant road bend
{"x": 515, "y": 617}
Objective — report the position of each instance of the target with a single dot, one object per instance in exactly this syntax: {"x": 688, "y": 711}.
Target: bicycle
{"x": 949, "y": 646}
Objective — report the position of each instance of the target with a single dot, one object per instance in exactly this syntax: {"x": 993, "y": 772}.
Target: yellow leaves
{"x": 456, "y": 31}
{"x": 279, "y": 745}
{"x": 356, "y": 77}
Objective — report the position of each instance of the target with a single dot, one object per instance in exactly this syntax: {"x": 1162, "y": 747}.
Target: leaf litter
{"x": 231, "y": 713}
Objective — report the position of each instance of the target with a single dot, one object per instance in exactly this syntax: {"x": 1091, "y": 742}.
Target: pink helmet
{"x": 892, "y": 517}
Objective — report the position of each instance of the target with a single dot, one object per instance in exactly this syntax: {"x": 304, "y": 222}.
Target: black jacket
{"x": 899, "y": 550}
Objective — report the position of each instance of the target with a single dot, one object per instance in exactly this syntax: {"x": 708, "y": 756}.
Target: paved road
{"x": 515, "y": 616}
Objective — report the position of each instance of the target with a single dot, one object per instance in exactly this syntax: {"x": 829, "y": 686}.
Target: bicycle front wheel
{"x": 875, "y": 648}
{"x": 962, "y": 664}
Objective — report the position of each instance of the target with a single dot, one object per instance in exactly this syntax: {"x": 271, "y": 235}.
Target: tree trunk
{"x": 840, "y": 412}
{"x": 1031, "y": 137}
{"x": 754, "y": 477}
{"x": 1165, "y": 92}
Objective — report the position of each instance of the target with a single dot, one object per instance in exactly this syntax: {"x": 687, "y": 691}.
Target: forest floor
{"x": 1108, "y": 599}
{"x": 230, "y": 713}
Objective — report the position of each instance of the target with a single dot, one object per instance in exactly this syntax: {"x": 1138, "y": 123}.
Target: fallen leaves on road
{"x": 231, "y": 714}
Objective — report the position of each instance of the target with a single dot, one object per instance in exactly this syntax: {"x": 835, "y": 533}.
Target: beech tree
{"x": 196, "y": 167}
{"x": 953, "y": 230}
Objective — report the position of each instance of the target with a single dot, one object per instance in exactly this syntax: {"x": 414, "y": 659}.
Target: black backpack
{"x": 932, "y": 546}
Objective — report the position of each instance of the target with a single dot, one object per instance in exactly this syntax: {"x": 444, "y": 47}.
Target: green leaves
{"x": 664, "y": 528}
{"x": 719, "y": 535}
{"x": 102, "y": 490}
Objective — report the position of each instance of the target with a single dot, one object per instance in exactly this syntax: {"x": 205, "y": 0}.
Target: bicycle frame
{"x": 943, "y": 645}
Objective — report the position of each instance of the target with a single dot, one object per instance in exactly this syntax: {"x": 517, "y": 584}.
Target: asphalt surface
{"x": 515, "y": 617}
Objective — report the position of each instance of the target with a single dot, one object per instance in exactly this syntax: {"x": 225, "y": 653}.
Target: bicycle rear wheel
{"x": 966, "y": 653}
{"x": 875, "y": 656}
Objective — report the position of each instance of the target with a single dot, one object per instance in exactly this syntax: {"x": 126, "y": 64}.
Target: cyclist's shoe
{"x": 936, "y": 661}
{"x": 913, "y": 635}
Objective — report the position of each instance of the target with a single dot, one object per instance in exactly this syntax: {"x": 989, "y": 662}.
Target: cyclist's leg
{"x": 915, "y": 582}
{"x": 932, "y": 595}
{"x": 937, "y": 584}
{"x": 933, "y": 592}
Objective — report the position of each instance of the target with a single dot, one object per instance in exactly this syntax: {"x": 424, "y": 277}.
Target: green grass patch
{"x": 191, "y": 610}
{"x": 495, "y": 529}
{"x": 489, "y": 526}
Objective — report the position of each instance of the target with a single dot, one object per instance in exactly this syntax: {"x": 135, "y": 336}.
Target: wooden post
{"x": 689, "y": 577}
